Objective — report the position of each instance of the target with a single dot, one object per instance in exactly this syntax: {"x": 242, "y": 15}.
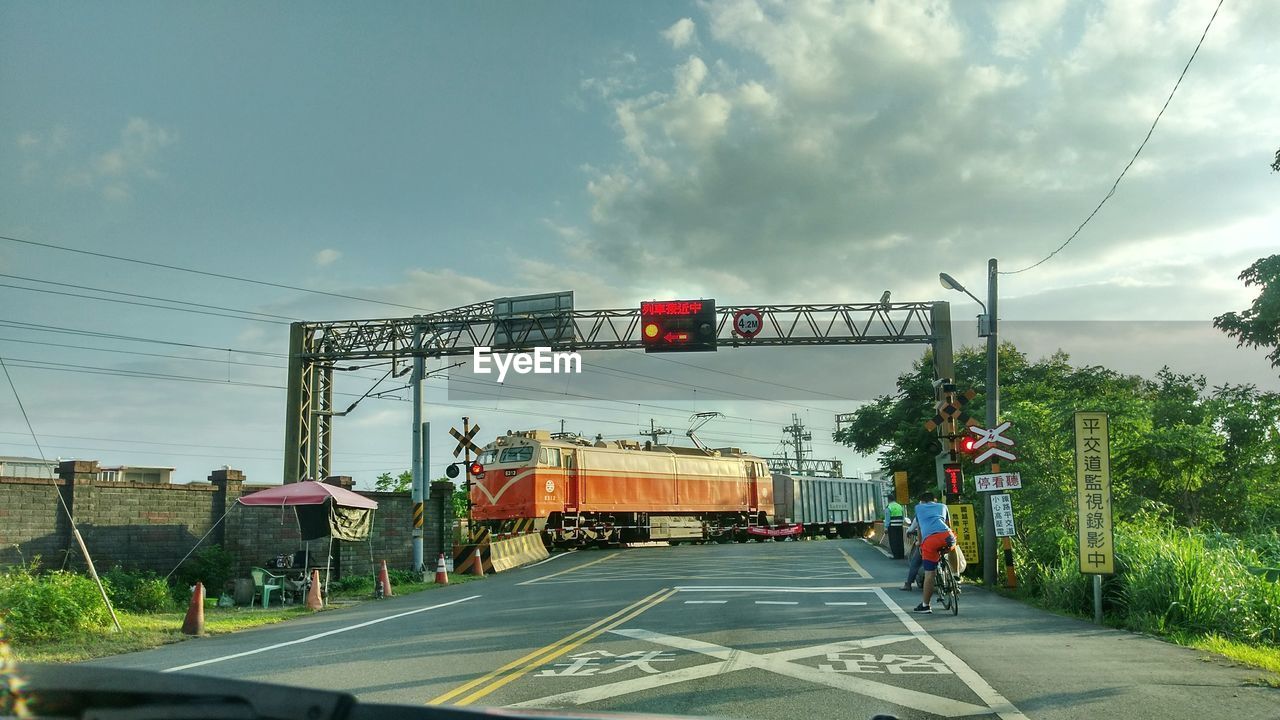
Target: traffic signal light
{"x": 477, "y": 469}
{"x": 952, "y": 481}
{"x": 678, "y": 325}
{"x": 965, "y": 445}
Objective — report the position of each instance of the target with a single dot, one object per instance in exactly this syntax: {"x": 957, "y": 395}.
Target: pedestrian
{"x": 938, "y": 538}
{"x": 913, "y": 553}
{"x": 894, "y": 514}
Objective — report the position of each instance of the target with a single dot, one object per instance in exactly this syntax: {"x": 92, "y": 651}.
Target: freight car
{"x": 576, "y": 491}
{"x": 834, "y": 507}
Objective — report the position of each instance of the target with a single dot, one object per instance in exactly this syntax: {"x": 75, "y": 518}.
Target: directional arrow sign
{"x": 994, "y": 452}
{"x": 994, "y": 436}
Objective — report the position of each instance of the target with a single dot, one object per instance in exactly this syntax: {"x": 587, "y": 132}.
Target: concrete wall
{"x": 151, "y": 527}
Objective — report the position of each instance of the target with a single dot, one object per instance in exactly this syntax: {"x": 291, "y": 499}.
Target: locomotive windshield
{"x": 517, "y": 455}
{"x": 488, "y": 457}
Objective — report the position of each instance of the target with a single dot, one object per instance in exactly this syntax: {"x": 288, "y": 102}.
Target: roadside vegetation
{"x": 60, "y": 617}
{"x": 1194, "y": 475}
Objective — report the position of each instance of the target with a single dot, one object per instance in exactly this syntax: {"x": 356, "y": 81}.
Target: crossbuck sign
{"x": 992, "y": 440}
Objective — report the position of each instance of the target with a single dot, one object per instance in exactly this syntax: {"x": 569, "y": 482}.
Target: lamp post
{"x": 987, "y": 329}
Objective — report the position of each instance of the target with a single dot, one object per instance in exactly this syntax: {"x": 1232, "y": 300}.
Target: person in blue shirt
{"x": 938, "y": 538}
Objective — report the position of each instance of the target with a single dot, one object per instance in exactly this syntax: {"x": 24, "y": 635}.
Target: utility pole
{"x": 798, "y": 438}
{"x": 562, "y": 427}
{"x": 654, "y": 432}
{"x": 993, "y": 415}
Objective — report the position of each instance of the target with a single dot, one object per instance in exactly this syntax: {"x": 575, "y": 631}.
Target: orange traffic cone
{"x": 313, "y": 593}
{"x": 384, "y": 580}
{"x": 442, "y": 575}
{"x": 477, "y": 568}
{"x": 194, "y": 622}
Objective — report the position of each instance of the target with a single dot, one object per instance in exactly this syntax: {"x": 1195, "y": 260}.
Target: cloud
{"x": 326, "y": 257}
{"x": 112, "y": 173}
{"x": 838, "y": 149}
{"x": 682, "y": 33}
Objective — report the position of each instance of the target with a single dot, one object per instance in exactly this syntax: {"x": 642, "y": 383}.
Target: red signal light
{"x": 477, "y": 469}
{"x": 678, "y": 325}
{"x": 966, "y": 444}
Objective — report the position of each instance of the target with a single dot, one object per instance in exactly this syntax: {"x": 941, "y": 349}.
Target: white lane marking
{"x": 705, "y": 602}
{"x": 777, "y": 602}
{"x": 778, "y": 662}
{"x": 766, "y": 588}
{"x": 569, "y": 570}
{"x": 844, "y": 603}
{"x": 1002, "y": 707}
{"x": 317, "y": 636}
{"x": 553, "y": 557}
{"x": 879, "y": 549}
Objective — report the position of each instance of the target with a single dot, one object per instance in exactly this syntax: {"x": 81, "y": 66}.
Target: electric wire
{"x": 142, "y": 304}
{"x": 144, "y": 297}
{"x": 1133, "y": 159}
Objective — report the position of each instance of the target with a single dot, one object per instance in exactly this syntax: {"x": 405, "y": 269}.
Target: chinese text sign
{"x": 1093, "y": 494}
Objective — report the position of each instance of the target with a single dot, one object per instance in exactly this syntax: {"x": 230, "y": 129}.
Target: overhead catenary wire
{"x": 36, "y": 327}
{"x": 143, "y": 297}
{"x": 142, "y": 304}
{"x": 1133, "y": 159}
{"x": 207, "y": 273}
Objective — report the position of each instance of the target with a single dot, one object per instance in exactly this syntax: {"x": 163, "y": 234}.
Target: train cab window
{"x": 550, "y": 457}
{"x": 517, "y": 455}
{"x": 488, "y": 457}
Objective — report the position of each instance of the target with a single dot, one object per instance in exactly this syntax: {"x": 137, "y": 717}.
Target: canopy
{"x": 308, "y": 492}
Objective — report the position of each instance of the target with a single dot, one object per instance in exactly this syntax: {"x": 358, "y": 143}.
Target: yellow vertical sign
{"x": 966, "y": 531}
{"x": 900, "y": 486}
{"x": 1093, "y": 494}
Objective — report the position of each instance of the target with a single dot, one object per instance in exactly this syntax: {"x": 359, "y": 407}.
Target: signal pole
{"x": 654, "y": 431}
{"x": 798, "y": 438}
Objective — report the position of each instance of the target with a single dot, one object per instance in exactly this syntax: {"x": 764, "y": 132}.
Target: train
{"x": 575, "y": 491}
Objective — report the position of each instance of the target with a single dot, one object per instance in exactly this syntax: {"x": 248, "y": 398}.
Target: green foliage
{"x": 355, "y": 583}
{"x": 49, "y": 607}
{"x": 135, "y": 591}
{"x": 211, "y": 566}
{"x": 1259, "y": 324}
{"x": 400, "y": 483}
{"x": 459, "y": 503}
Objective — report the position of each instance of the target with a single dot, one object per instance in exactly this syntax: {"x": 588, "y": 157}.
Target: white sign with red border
{"x": 997, "y": 481}
{"x": 748, "y": 322}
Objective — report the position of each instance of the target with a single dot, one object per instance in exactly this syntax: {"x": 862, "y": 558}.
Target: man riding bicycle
{"x": 932, "y": 518}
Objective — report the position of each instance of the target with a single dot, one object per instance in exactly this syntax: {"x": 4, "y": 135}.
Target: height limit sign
{"x": 748, "y": 322}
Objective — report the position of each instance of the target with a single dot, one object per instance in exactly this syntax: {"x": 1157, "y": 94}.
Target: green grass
{"x": 146, "y": 631}
{"x": 1262, "y": 658}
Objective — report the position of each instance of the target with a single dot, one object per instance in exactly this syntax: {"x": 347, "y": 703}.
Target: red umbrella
{"x": 307, "y": 493}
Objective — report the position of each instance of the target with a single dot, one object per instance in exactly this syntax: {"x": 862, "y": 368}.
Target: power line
{"x": 19, "y": 325}
{"x": 1133, "y": 159}
{"x": 184, "y": 444}
{"x": 144, "y": 297}
{"x": 144, "y": 354}
{"x": 21, "y": 407}
{"x": 142, "y": 304}
{"x": 207, "y": 273}
{"x": 742, "y": 377}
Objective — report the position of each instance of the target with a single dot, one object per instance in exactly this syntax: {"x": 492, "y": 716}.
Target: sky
{"x": 430, "y": 155}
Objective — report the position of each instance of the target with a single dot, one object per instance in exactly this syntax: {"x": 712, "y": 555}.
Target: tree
{"x": 1258, "y": 326}
{"x": 401, "y": 483}
{"x": 1275, "y": 166}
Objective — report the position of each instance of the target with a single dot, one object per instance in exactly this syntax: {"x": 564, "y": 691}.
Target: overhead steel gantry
{"x": 315, "y": 348}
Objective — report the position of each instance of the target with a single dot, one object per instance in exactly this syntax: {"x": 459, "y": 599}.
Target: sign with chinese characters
{"x": 1002, "y": 514}
{"x": 966, "y": 531}
{"x": 1093, "y": 494}
{"x": 998, "y": 481}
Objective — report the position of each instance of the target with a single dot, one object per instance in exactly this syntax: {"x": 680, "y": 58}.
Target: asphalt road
{"x": 761, "y": 630}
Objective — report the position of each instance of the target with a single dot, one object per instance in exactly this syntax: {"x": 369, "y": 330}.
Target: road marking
{"x": 1002, "y": 707}
{"x": 731, "y": 660}
{"x": 317, "y": 636}
{"x": 543, "y": 655}
{"x": 568, "y": 570}
{"x": 553, "y": 557}
{"x": 854, "y": 564}
{"x": 705, "y": 602}
{"x": 777, "y": 602}
{"x": 844, "y": 603}
{"x": 766, "y": 588}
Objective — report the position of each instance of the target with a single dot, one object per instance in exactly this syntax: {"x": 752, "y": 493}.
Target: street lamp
{"x": 987, "y": 329}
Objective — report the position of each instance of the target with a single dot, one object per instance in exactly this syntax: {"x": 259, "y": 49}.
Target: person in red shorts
{"x": 932, "y": 518}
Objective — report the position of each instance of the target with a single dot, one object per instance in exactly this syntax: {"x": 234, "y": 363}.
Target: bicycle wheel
{"x": 941, "y": 586}
{"x": 954, "y": 593}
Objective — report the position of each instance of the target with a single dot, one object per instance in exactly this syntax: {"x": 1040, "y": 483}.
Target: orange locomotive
{"x": 575, "y": 491}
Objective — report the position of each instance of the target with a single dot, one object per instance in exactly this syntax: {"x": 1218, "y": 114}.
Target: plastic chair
{"x": 262, "y": 585}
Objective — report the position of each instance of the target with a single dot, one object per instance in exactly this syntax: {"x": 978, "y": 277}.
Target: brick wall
{"x": 152, "y": 527}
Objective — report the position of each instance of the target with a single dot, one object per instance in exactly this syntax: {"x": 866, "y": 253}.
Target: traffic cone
{"x": 194, "y": 622}
{"x": 313, "y": 593}
{"x": 442, "y": 575}
{"x": 477, "y": 568}
{"x": 384, "y": 580}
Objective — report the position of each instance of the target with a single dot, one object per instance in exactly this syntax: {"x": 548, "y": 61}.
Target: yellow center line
{"x": 540, "y": 651}
{"x": 517, "y": 673}
{"x": 854, "y": 564}
{"x": 569, "y": 570}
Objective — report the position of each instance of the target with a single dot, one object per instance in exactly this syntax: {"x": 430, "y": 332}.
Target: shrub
{"x": 354, "y": 583}
{"x": 212, "y": 566}
{"x": 50, "y": 607}
{"x": 136, "y": 591}
{"x": 403, "y": 577}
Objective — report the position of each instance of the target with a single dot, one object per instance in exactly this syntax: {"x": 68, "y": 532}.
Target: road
{"x": 761, "y": 630}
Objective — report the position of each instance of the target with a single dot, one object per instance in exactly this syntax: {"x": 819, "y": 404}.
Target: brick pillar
{"x": 437, "y": 525}
{"x": 343, "y": 481}
{"x": 230, "y": 484}
{"x": 77, "y": 477}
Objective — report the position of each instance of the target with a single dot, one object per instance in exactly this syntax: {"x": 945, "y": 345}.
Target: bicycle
{"x": 946, "y": 586}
